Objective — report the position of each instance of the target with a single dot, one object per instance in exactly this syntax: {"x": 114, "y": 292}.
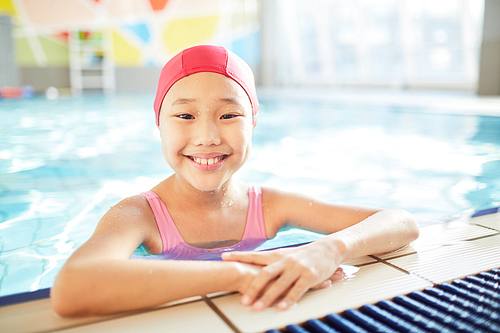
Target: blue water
{"x": 64, "y": 162}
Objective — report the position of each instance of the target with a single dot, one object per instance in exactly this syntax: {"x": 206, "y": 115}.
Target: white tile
{"x": 188, "y": 317}
{"x": 489, "y": 221}
{"x": 454, "y": 261}
{"x": 444, "y": 234}
{"x": 370, "y": 284}
{"x": 38, "y": 316}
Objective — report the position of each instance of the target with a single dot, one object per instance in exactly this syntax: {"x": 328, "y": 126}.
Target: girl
{"x": 206, "y": 107}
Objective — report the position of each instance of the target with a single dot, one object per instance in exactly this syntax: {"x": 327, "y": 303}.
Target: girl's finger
{"x": 338, "y": 275}
{"x": 260, "y": 283}
{"x": 301, "y": 286}
{"x": 297, "y": 291}
{"x": 276, "y": 289}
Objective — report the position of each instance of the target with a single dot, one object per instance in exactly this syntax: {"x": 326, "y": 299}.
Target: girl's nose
{"x": 206, "y": 134}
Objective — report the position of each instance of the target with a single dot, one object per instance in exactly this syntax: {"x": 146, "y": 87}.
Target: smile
{"x": 208, "y": 161}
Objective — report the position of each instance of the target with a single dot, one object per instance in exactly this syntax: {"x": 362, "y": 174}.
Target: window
{"x": 396, "y": 43}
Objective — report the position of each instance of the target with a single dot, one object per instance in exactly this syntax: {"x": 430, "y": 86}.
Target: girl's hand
{"x": 287, "y": 272}
{"x": 246, "y": 273}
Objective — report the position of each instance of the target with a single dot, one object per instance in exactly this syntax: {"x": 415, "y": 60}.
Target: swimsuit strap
{"x": 164, "y": 222}
{"x": 255, "y": 227}
{"x": 170, "y": 236}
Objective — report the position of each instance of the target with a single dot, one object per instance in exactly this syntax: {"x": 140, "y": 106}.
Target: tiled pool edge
{"x": 24, "y": 297}
{"x": 483, "y": 212}
{"x": 45, "y": 293}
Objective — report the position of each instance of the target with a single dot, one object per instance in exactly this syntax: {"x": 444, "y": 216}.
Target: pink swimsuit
{"x": 174, "y": 246}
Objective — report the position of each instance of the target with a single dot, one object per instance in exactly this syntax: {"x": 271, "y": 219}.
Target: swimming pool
{"x": 64, "y": 162}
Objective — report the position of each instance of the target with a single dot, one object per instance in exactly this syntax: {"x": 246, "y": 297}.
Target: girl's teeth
{"x": 205, "y": 161}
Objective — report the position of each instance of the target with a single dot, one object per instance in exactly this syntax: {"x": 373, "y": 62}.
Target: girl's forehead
{"x": 203, "y": 79}
{"x": 207, "y": 84}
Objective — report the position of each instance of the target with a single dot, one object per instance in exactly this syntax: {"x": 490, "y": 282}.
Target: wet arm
{"x": 114, "y": 285}
{"x": 384, "y": 231}
{"x": 352, "y": 232}
{"x": 355, "y": 230}
{"x": 99, "y": 278}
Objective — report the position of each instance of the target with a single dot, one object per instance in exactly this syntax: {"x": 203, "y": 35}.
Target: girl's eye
{"x": 228, "y": 116}
{"x": 185, "y": 116}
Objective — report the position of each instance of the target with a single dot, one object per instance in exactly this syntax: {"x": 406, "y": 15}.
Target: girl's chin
{"x": 208, "y": 186}
{"x": 206, "y": 181}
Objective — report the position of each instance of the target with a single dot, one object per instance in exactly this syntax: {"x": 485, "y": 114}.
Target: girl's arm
{"x": 352, "y": 232}
{"x": 99, "y": 278}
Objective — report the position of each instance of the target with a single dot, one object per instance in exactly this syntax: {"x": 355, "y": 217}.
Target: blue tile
{"x": 486, "y": 212}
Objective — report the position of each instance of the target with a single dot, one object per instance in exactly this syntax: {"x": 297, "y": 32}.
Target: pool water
{"x": 64, "y": 162}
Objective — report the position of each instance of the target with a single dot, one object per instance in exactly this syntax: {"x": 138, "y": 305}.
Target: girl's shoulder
{"x": 132, "y": 216}
{"x": 135, "y": 205}
{"x": 280, "y": 207}
{"x": 282, "y": 199}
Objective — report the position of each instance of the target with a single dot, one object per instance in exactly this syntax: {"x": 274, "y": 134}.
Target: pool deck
{"x": 443, "y": 252}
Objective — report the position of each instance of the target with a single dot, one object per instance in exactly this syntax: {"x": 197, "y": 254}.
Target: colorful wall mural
{"x": 139, "y": 33}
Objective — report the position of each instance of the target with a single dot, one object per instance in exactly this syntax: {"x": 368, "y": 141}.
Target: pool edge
{"x": 29, "y": 296}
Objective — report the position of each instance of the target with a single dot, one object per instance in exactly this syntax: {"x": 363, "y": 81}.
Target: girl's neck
{"x": 224, "y": 196}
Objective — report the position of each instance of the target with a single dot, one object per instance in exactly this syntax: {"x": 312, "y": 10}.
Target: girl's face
{"x": 206, "y": 129}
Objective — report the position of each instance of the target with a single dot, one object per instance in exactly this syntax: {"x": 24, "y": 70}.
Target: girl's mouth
{"x": 208, "y": 161}
{"x": 208, "y": 164}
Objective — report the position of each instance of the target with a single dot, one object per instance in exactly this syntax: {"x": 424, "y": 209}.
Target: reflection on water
{"x": 426, "y": 163}
{"x": 63, "y": 163}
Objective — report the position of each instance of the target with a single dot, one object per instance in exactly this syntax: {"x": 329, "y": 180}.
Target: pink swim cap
{"x": 206, "y": 58}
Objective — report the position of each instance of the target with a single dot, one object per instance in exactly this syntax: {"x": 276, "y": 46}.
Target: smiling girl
{"x": 206, "y": 108}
